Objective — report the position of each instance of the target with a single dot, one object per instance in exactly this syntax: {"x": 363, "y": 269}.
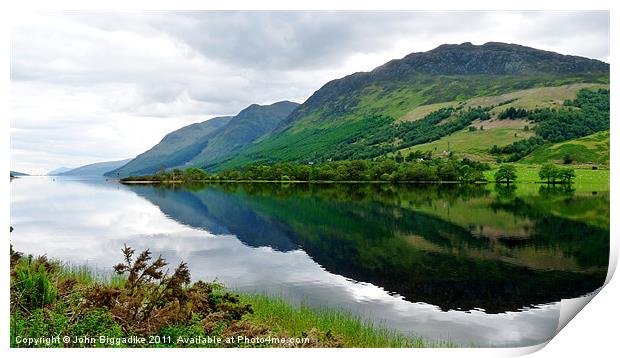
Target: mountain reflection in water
{"x": 456, "y": 247}
{"x": 479, "y": 265}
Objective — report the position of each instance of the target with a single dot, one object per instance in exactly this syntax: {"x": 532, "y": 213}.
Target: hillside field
{"x": 593, "y": 149}
{"x": 539, "y": 97}
{"x": 475, "y": 145}
{"x": 590, "y": 149}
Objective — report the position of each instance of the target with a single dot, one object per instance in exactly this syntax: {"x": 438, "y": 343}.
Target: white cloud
{"x": 88, "y": 87}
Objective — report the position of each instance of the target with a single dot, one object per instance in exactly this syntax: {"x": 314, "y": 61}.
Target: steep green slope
{"x": 592, "y": 149}
{"x": 176, "y": 148}
{"x": 339, "y": 117}
{"x": 250, "y": 124}
{"x": 202, "y": 143}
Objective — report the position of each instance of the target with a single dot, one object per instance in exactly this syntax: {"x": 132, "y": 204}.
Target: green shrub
{"x": 554, "y": 174}
{"x": 32, "y": 283}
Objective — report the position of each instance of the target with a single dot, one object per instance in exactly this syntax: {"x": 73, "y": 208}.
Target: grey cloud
{"x": 287, "y": 40}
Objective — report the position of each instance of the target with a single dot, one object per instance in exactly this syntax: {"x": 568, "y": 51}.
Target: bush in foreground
{"x": 49, "y": 299}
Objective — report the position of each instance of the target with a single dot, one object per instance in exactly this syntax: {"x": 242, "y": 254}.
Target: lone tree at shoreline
{"x": 505, "y": 174}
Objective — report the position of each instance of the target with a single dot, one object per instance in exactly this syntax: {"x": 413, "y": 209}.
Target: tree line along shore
{"x": 399, "y": 170}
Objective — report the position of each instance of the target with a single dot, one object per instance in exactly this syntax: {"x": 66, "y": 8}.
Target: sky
{"x": 91, "y": 87}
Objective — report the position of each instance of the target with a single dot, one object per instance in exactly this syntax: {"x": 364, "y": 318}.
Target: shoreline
{"x": 129, "y": 182}
{"x": 293, "y": 181}
{"x": 271, "y": 322}
{"x": 526, "y": 174}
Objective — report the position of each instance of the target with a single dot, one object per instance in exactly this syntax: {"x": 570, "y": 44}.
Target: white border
{"x": 591, "y": 331}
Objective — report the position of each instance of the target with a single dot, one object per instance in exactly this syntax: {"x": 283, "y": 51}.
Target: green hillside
{"x": 202, "y": 143}
{"x": 369, "y": 114}
{"x": 476, "y": 144}
{"x": 532, "y": 98}
{"x": 176, "y": 148}
{"x": 497, "y": 130}
{"x": 592, "y": 149}
{"x": 250, "y": 124}
{"x": 417, "y": 103}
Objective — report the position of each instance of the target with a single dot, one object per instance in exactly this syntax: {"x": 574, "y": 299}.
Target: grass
{"x": 548, "y": 97}
{"x": 345, "y": 118}
{"x": 475, "y": 145}
{"x": 422, "y": 111}
{"x": 50, "y": 298}
{"x": 282, "y": 316}
{"x": 590, "y": 149}
{"x": 87, "y": 276}
{"x": 586, "y": 178}
{"x": 393, "y": 103}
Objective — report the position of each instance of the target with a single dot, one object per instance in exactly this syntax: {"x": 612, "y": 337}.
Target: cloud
{"x": 103, "y": 86}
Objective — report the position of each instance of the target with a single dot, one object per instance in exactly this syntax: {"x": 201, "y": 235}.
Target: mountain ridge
{"x": 343, "y": 110}
{"x": 173, "y": 149}
{"x": 336, "y": 119}
{"x": 58, "y": 171}
{"x": 95, "y": 169}
{"x": 202, "y": 142}
{"x": 417, "y": 63}
{"x": 259, "y": 119}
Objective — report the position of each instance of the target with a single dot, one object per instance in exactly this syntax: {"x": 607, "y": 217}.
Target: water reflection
{"x": 493, "y": 252}
{"x": 418, "y": 259}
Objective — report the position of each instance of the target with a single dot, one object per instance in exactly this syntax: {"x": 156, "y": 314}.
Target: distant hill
{"x": 201, "y": 143}
{"x": 249, "y": 125}
{"x": 175, "y": 149}
{"x": 337, "y": 120}
{"x": 59, "y": 170}
{"x": 18, "y": 174}
{"x": 95, "y": 168}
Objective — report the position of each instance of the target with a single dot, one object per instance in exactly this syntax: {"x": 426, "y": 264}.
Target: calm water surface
{"x": 471, "y": 264}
